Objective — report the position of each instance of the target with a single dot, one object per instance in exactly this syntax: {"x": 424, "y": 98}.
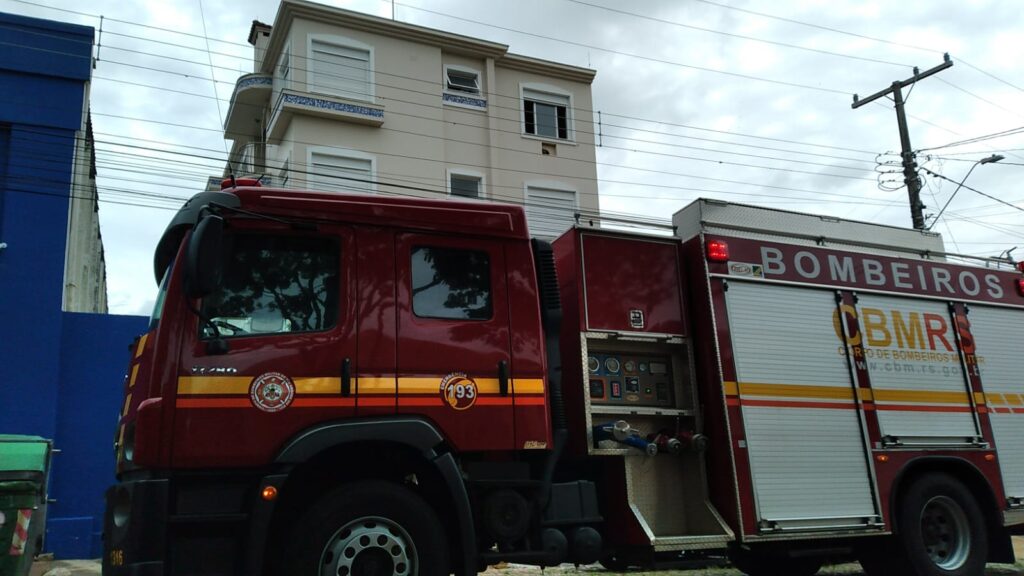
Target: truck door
{"x": 453, "y": 338}
{"x": 285, "y": 310}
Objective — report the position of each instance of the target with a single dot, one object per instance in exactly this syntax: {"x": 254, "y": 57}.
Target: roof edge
{"x": 291, "y": 9}
{"x": 547, "y": 67}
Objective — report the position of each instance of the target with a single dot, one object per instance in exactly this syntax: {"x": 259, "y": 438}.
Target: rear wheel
{"x": 941, "y": 533}
{"x": 368, "y": 529}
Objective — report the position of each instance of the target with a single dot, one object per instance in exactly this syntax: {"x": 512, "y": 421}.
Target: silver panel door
{"x": 913, "y": 361}
{"x": 804, "y": 434}
{"x": 998, "y": 334}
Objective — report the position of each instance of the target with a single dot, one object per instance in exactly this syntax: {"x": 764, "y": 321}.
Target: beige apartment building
{"x": 345, "y": 101}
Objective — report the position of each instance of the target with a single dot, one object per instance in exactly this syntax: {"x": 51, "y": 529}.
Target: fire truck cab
{"x": 356, "y": 384}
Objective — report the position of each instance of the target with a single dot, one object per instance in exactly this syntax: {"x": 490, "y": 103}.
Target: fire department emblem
{"x": 271, "y": 392}
{"x": 459, "y": 391}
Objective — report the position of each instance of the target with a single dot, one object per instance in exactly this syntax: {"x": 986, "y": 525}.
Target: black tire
{"x": 368, "y": 529}
{"x": 942, "y": 530}
{"x": 754, "y": 563}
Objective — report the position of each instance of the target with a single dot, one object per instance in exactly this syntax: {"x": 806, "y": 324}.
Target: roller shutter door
{"x": 920, "y": 389}
{"x": 804, "y": 435}
{"x": 999, "y": 334}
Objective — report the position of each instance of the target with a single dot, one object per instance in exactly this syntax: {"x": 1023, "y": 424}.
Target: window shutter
{"x": 340, "y": 70}
{"x": 550, "y": 212}
{"x": 340, "y": 173}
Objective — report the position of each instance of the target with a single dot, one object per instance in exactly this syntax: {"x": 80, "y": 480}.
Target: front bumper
{"x": 135, "y": 528}
{"x": 196, "y": 524}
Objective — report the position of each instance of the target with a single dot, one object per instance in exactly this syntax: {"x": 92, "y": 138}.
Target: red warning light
{"x": 718, "y": 251}
{"x": 1020, "y": 286}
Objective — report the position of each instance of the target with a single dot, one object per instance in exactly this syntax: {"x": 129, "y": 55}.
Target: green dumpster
{"x": 24, "y": 464}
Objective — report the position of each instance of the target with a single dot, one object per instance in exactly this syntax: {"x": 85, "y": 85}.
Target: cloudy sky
{"x": 747, "y": 101}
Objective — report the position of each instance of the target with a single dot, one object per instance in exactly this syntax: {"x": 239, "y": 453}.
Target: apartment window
{"x": 342, "y": 68}
{"x": 341, "y": 171}
{"x": 284, "y": 68}
{"x": 546, "y": 114}
{"x": 465, "y": 185}
{"x": 461, "y": 79}
{"x": 450, "y": 283}
{"x": 550, "y": 211}
{"x": 286, "y": 172}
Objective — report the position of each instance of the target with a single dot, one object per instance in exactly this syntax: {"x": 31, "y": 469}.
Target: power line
{"x": 973, "y": 189}
{"x": 526, "y": 33}
{"x": 379, "y": 84}
{"x": 976, "y": 139}
{"x": 856, "y": 35}
{"x": 739, "y": 36}
{"x": 491, "y": 146}
{"x": 631, "y": 55}
{"x": 816, "y": 198}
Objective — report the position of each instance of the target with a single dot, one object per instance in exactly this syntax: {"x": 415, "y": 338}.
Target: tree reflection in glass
{"x": 451, "y": 283}
{"x": 274, "y": 284}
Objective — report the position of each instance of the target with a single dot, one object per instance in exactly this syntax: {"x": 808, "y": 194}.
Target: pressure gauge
{"x": 612, "y": 365}
{"x": 630, "y": 366}
{"x": 593, "y": 364}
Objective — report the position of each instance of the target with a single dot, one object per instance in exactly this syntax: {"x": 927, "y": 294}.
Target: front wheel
{"x": 368, "y": 529}
{"x": 941, "y": 529}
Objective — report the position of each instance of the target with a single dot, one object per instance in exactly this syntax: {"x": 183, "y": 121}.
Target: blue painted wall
{"x": 94, "y": 358}
{"x": 64, "y": 372}
{"x": 43, "y": 68}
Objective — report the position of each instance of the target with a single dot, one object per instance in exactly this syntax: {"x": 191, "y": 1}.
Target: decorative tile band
{"x": 465, "y": 100}
{"x": 332, "y": 105}
{"x": 254, "y": 81}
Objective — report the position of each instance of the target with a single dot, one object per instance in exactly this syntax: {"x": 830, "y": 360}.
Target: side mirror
{"x": 203, "y": 264}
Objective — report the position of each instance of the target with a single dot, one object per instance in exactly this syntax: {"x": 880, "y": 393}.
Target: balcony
{"x": 291, "y": 102}
{"x": 248, "y": 103}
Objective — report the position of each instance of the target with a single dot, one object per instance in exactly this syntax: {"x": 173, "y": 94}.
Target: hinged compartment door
{"x": 805, "y": 440}
{"x": 632, "y": 284}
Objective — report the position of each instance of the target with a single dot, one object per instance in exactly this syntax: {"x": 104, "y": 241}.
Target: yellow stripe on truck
{"x": 142, "y": 345}
{"x": 317, "y": 385}
{"x": 528, "y": 385}
{"x": 929, "y": 396}
{"x": 225, "y": 385}
{"x": 795, "y": 391}
{"x": 214, "y": 384}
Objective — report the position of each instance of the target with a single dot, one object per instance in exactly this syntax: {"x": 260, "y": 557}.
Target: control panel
{"x": 630, "y": 380}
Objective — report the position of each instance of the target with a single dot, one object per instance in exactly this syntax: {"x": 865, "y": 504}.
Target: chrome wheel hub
{"x": 369, "y": 546}
{"x": 946, "y": 532}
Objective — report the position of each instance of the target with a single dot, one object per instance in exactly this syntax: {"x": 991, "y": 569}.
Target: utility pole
{"x": 909, "y": 163}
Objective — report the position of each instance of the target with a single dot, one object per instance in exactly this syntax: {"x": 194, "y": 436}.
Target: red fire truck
{"x": 365, "y": 385}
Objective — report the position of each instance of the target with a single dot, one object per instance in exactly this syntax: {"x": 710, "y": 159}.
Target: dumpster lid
{"x": 23, "y": 453}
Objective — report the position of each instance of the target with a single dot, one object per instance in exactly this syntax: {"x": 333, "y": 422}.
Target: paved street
{"x": 92, "y": 568}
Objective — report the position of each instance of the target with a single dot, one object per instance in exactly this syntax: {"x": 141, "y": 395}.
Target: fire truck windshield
{"x": 161, "y": 295}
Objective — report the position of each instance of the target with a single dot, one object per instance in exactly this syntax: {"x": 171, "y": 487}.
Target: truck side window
{"x": 275, "y": 284}
{"x": 451, "y": 283}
